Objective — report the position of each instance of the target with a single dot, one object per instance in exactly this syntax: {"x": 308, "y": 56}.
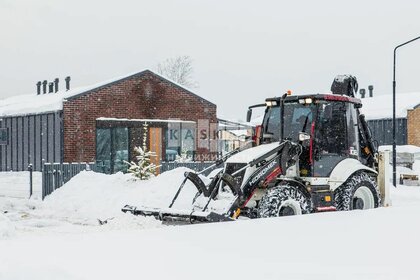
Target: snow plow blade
{"x": 171, "y": 214}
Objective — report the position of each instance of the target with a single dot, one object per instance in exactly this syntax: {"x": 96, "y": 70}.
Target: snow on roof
{"x": 49, "y": 102}
{"x": 380, "y": 106}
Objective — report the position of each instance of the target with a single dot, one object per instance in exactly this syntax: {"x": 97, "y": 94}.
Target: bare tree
{"x": 179, "y": 69}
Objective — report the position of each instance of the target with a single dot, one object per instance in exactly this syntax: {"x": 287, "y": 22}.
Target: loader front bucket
{"x": 175, "y": 215}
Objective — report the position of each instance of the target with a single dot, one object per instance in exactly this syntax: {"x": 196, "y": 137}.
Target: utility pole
{"x": 394, "y": 144}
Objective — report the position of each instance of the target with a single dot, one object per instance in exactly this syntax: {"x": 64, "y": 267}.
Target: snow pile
{"x": 7, "y": 229}
{"x": 90, "y": 196}
{"x": 92, "y": 202}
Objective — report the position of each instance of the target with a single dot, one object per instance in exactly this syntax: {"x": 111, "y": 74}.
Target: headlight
{"x": 271, "y": 103}
{"x": 306, "y": 101}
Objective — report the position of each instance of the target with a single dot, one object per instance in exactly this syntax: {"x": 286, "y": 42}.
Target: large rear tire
{"x": 283, "y": 200}
{"x": 360, "y": 191}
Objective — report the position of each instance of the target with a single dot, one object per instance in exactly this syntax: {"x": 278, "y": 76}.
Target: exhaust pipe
{"x": 51, "y": 87}
{"x": 370, "y": 91}
{"x": 67, "y": 79}
{"x": 362, "y": 92}
{"x": 44, "y": 87}
{"x": 56, "y": 84}
{"x": 38, "y": 88}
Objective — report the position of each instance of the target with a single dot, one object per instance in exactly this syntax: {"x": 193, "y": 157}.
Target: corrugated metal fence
{"x": 31, "y": 139}
{"x": 382, "y": 131}
{"x": 55, "y": 175}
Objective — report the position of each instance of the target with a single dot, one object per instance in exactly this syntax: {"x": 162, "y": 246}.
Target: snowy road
{"x": 376, "y": 244}
{"x": 60, "y": 239}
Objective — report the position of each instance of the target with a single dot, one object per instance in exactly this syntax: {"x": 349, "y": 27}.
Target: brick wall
{"x": 143, "y": 96}
{"x": 413, "y": 126}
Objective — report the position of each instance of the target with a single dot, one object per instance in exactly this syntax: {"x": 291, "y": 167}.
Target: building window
{"x": 112, "y": 149}
{"x": 180, "y": 139}
{"x": 3, "y": 136}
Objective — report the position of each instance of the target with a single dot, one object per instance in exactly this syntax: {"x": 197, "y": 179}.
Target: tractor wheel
{"x": 360, "y": 191}
{"x": 283, "y": 200}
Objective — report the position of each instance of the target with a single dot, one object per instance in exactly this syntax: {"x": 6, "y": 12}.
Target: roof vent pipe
{"x": 68, "y": 82}
{"x": 51, "y": 87}
{"x": 44, "y": 86}
{"x": 370, "y": 91}
{"x": 56, "y": 84}
{"x": 362, "y": 92}
{"x": 38, "y": 88}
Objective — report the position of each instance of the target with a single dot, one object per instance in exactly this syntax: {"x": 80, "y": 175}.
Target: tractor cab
{"x": 325, "y": 125}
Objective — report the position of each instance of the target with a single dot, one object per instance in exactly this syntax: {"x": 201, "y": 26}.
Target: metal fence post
{"x": 30, "y": 169}
{"x": 44, "y": 184}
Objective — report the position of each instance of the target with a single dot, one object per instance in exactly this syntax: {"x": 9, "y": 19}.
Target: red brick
{"x": 139, "y": 97}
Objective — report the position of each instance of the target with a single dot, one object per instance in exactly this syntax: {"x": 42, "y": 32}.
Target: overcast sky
{"x": 243, "y": 51}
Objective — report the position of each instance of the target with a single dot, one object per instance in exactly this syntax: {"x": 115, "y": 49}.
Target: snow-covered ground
{"x": 16, "y": 184}
{"x": 60, "y": 238}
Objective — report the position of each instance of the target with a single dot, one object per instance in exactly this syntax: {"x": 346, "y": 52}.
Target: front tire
{"x": 360, "y": 191}
{"x": 283, "y": 200}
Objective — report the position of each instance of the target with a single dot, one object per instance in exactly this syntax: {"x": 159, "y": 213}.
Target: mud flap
{"x": 171, "y": 214}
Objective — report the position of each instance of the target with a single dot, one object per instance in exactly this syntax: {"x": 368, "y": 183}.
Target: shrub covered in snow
{"x": 143, "y": 169}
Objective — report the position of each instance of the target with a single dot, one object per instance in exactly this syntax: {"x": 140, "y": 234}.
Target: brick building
{"x": 104, "y": 123}
{"x": 413, "y": 125}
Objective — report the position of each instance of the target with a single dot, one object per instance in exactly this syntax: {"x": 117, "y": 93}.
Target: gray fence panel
{"x": 382, "y": 131}
{"x": 8, "y": 152}
{"x": 3, "y": 151}
{"x": 25, "y": 143}
{"x": 19, "y": 146}
{"x": 13, "y": 144}
{"x": 49, "y": 122}
{"x": 44, "y": 137}
{"x": 57, "y": 137}
{"x": 47, "y": 180}
{"x": 32, "y": 139}
{"x": 55, "y": 175}
{"x": 37, "y": 139}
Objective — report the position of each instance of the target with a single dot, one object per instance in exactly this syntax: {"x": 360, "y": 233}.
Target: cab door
{"x": 336, "y": 136}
